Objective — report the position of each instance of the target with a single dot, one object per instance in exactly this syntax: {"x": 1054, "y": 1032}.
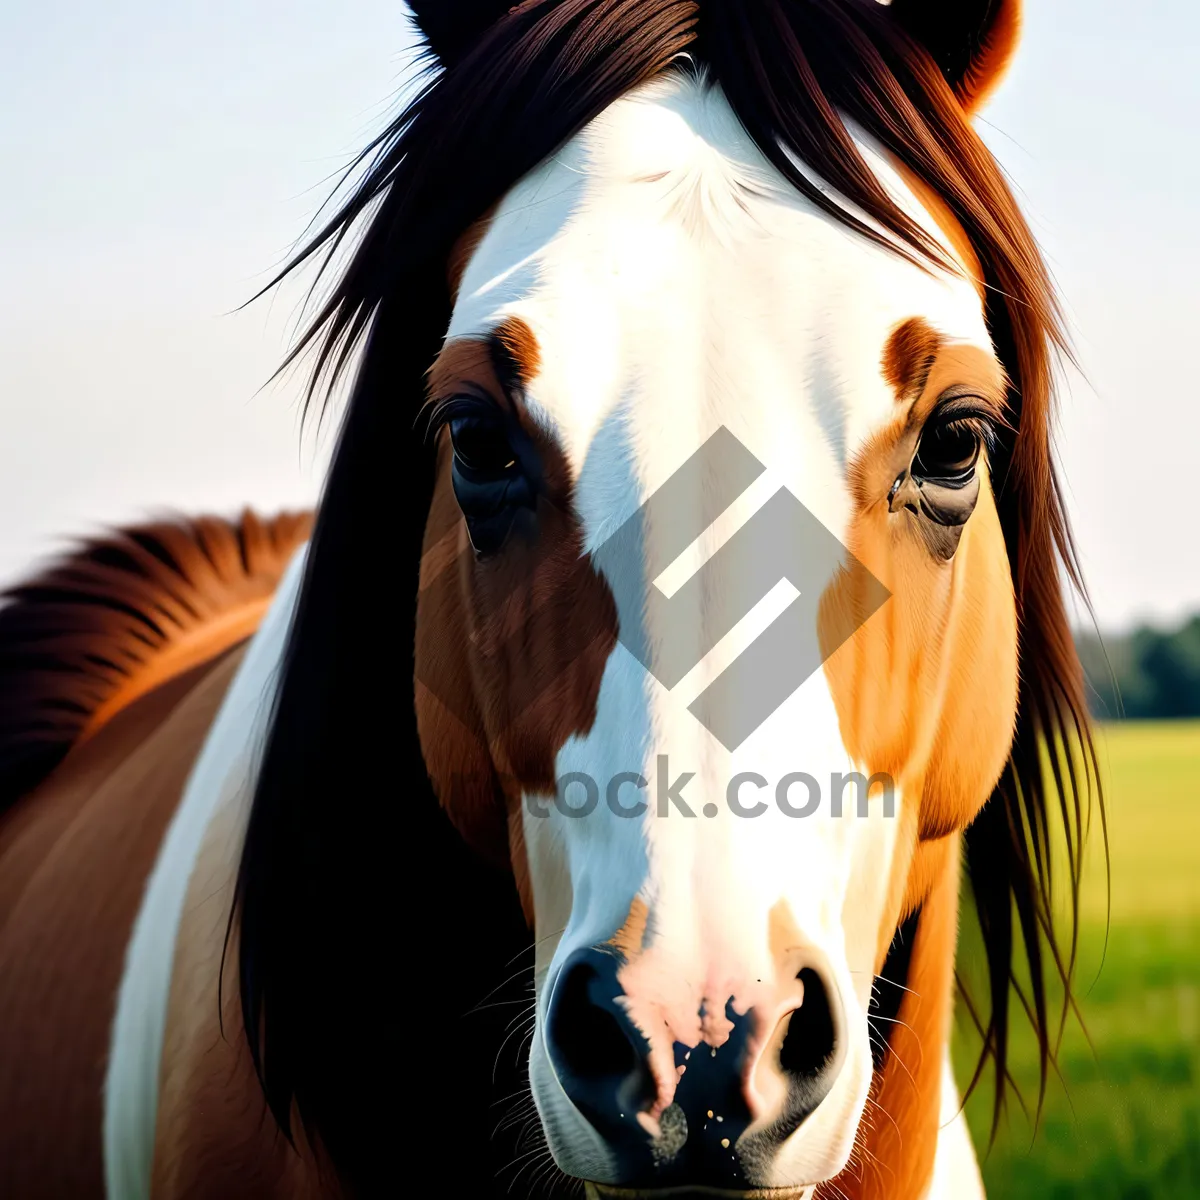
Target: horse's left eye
{"x": 949, "y": 449}
{"x": 482, "y": 445}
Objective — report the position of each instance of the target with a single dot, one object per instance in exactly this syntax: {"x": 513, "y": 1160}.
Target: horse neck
{"x": 895, "y": 1154}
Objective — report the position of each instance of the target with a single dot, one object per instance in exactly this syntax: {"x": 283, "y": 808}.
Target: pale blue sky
{"x": 160, "y": 159}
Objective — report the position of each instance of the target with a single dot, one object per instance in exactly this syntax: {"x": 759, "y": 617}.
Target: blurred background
{"x": 161, "y": 161}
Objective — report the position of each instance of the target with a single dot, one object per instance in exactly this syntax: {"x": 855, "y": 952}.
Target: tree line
{"x": 1149, "y": 673}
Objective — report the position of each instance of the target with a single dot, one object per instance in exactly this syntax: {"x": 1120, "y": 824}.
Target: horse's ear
{"x": 452, "y": 27}
{"x": 973, "y": 41}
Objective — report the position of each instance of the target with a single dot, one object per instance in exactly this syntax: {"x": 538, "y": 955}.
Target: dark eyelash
{"x": 981, "y": 424}
{"x": 440, "y": 413}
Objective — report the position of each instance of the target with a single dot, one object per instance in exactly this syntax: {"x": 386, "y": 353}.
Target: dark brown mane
{"x": 509, "y": 97}
{"x": 88, "y": 632}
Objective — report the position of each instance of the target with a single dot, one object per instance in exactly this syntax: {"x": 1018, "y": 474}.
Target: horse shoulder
{"x": 183, "y": 1114}
{"x": 74, "y": 856}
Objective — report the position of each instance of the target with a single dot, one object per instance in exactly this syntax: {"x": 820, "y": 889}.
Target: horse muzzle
{"x": 599, "y": 1191}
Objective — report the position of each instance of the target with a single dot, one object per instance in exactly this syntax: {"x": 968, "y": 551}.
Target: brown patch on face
{"x": 908, "y": 357}
{"x": 496, "y": 366}
{"x": 628, "y": 940}
{"x": 521, "y": 347}
{"x": 783, "y": 934}
{"x": 926, "y": 689}
{"x": 510, "y": 647}
{"x": 964, "y": 368}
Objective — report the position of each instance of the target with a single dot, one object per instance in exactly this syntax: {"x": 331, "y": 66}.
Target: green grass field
{"x": 1124, "y": 1120}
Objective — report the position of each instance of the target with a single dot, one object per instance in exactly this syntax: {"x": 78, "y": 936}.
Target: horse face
{"x": 713, "y": 544}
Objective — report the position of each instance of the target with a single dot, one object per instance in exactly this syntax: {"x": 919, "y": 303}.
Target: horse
{"x": 698, "y": 452}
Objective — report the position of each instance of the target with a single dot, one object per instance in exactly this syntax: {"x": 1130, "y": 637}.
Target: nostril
{"x": 811, "y": 1039}
{"x": 588, "y": 1039}
{"x": 598, "y": 1054}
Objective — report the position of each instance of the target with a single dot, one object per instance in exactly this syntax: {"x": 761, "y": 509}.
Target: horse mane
{"x": 120, "y": 614}
{"x": 348, "y": 863}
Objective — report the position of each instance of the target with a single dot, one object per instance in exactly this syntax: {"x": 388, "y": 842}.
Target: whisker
{"x": 507, "y": 1038}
